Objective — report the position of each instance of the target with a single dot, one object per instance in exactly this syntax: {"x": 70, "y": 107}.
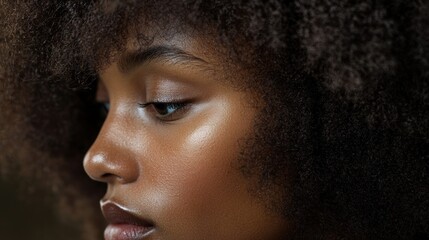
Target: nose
{"x": 108, "y": 160}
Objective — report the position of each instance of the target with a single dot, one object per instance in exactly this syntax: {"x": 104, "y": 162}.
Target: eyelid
{"x": 146, "y": 104}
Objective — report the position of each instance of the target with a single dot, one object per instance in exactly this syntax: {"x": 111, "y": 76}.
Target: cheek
{"x": 202, "y": 168}
{"x": 197, "y": 186}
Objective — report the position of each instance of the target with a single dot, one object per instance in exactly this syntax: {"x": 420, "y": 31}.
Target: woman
{"x": 232, "y": 119}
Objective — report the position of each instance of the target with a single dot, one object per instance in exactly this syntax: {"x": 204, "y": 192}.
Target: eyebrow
{"x": 168, "y": 54}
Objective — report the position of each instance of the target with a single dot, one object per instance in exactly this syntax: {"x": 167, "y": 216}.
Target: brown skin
{"x": 179, "y": 170}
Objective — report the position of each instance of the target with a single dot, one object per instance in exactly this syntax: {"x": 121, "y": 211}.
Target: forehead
{"x": 150, "y": 30}
{"x": 169, "y": 46}
{"x": 186, "y": 41}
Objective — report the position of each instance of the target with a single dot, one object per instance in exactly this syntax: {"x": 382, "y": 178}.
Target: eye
{"x": 166, "y": 111}
{"x": 102, "y": 98}
{"x": 106, "y": 107}
{"x": 103, "y": 109}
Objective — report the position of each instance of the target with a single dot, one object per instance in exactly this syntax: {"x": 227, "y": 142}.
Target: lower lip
{"x": 127, "y": 232}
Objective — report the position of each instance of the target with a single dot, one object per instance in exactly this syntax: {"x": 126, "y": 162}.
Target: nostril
{"x": 109, "y": 177}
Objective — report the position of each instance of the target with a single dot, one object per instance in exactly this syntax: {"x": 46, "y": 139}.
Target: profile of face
{"x": 169, "y": 146}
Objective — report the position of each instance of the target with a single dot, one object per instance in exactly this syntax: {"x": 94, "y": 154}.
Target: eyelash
{"x": 174, "y": 110}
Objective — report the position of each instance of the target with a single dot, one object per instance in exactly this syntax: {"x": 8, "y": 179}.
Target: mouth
{"x": 124, "y": 225}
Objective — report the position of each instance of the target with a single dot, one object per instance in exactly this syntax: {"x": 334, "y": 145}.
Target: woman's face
{"x": 169, "y": 146}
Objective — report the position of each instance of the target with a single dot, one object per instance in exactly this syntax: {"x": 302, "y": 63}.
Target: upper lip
{"x": 115, "y": 214}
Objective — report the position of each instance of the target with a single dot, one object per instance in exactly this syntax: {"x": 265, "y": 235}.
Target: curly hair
{"x": 345, "y": 86}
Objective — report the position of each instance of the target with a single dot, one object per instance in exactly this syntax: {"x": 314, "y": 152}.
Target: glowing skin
{"x": 178, "y": 171}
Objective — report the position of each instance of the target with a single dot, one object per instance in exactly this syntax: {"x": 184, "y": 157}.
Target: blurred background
{"x": 27, "y": 213}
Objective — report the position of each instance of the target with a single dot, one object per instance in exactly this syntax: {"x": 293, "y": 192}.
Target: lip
{"x": 123, "y": 224}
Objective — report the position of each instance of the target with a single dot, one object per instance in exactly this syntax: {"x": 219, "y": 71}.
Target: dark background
{"x": 27, "y": 213}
